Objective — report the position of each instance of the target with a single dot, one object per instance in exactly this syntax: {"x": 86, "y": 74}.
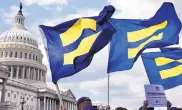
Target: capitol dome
{"x": 19, "y": 51}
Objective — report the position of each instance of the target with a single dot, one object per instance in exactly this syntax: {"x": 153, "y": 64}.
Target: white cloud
{"x": 62, "y": 86}
{"x": 59, "y": 8}
{"x": 9, "y": 16}
{"x": 45, "y": 2}
{"x": 79, "y": 13}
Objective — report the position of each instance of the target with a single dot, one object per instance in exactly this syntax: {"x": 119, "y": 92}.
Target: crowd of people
{"x": 85, "y": 103}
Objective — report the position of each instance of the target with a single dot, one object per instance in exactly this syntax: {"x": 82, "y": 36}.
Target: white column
{"x": 28, "y": 73}
{"x": 23, "y": 72}
{"x": 11, "y": 74}
{"x": 55, "y": 105}
{"x": 47, "y": 104}
{"x": 50, "y": 104}
{"x": 42, "y": 77}
{"x": 44, "y": 103}
{"x": 17, "y": 72}
{"x": 34, "y": 74}
{"x": 39, "y": 104}
{"x": 38, "y": 74}
{"x": 69, "y": 105}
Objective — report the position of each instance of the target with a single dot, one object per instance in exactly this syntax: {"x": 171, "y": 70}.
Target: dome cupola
{"x": 19, "y": 19}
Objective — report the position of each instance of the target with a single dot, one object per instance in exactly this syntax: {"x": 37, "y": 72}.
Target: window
{"x": 9, "y": 69}
{"x": 32, "y": 99}
{"x": 36, "y": 58}
{"x": 1, "y": 54}
{"x": 25, "y": 55}
{"x": 6, "y": 54}
{"x": 25, "y": 77}
{"x": 20, "y": 72}
{"x": 30, "y": 56}
{"x": 11, "y": 54}
{"x": 33, "y": 57}
{"x": 20, "y": 54}
{"x": 14, "y": 72}
{"x": 36, "y": 71}
{"x": 14, "y": 95}
{"x": 31, "y": 73}
{"x": 39, "y": 75}
{"x": 15, "y": 54}
{"x": 8, "y": 94}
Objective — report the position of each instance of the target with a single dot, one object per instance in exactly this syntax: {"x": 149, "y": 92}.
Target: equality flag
{"x": 71, "y": 45}
{"x": 170, "y": 49}
{"x": 164, "y": 68}
{"x": 134, "y": 36}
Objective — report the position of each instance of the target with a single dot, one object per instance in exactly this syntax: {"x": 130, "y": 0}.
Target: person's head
{"x": 150, "y": 108}
{"x": 174, "y": 108}
{"x": 84, "y": 103}
{"x": 120, "y": 108}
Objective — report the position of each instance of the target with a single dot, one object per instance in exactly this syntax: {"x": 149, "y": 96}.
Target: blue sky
{"x": 127, "y": 86}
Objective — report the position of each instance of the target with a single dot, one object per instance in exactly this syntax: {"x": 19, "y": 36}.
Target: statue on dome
{"x": 21, "y": 6}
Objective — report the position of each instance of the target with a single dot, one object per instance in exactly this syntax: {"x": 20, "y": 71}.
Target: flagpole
{"x": 108, "y": 80}
{"x": 59, "y": 95}
{"x": 108, "y": 88}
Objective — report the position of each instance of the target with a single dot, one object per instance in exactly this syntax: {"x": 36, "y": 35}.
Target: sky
{"x": 126, "y": 87}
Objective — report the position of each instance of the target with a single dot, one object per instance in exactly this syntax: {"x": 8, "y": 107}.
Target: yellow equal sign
{"x": 171, "y": 72}
{"x": 142, "y": 34}
{"x": 73, "y": 34}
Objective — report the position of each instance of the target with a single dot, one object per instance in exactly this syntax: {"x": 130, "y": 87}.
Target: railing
{"x": 7, "y": 104}
{"x": 13, "y": 82}
{"x": 47, "y": 90}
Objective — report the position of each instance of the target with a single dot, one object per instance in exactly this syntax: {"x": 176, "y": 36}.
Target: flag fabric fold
{"x": 132, "y": 37}
{"x": 164, "y": 68}
{"x": 71, "y": 45}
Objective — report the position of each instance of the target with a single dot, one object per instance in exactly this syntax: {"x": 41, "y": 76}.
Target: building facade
{"x": 25, "y": 79}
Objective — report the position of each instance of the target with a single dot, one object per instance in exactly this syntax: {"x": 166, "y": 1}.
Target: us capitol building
{"x": 22, "y": 74}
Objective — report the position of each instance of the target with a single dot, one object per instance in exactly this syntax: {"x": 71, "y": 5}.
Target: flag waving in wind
{"x": 164, "y": 68}
{"x": 134, "y": 36}
{"x": 71, "y": 45}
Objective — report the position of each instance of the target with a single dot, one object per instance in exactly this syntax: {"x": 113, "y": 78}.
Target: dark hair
{"x": 120, "y": 108}
{"x": 151, "y": 108}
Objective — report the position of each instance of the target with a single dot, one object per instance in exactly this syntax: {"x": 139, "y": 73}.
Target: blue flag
{"x": 71, "y": 45}
{"x": 170, "y": 49}
{"x": 134, "y": 36}
{"x": 164, "y": 68}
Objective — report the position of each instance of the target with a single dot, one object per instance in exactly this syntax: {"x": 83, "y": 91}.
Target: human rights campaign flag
{"x": 170, "y": 49}
{"x": 72, "y": 44}
{"x": 134, "y": 36}
{"x": 164, "y": 68}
